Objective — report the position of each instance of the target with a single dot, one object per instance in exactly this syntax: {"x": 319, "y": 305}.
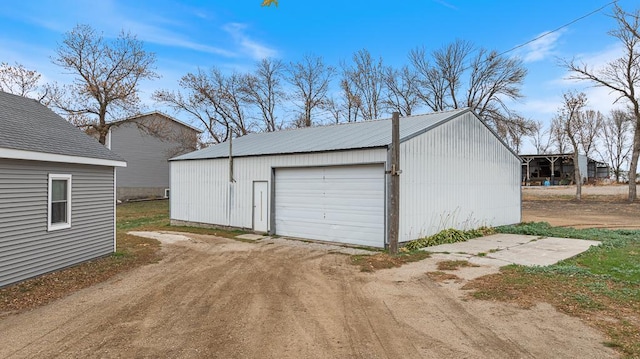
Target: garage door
{"x": 339, "y": 204}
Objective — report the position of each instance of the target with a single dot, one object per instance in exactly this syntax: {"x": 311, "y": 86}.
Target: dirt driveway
{"x": 218, "y": 298}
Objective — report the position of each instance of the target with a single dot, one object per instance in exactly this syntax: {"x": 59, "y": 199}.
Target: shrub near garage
{"x": 450, "y": 235}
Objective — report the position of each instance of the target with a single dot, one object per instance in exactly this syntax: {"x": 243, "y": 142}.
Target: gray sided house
{"x": 331, "y": 183}
{"x": 57, "y": 189}
{"x": 147, "y": 142}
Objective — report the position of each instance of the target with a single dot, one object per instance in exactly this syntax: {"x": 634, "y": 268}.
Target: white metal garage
{"x": 342, "y": 204}
{"x": 331, "y": 183}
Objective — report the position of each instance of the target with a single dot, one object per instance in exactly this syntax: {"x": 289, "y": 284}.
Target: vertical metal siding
{"x": 199, "y": 188}
{"x": 26, "y": 248}
{"x": 458, "y": 175}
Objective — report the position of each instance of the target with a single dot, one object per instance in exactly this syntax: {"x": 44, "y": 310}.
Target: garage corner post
{"x": 394, "y": 192}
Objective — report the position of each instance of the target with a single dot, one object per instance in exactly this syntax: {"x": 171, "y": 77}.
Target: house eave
{"x": 14, "y": 154}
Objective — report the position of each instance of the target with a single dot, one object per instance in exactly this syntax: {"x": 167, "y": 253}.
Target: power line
{"x": 559, "y": 28}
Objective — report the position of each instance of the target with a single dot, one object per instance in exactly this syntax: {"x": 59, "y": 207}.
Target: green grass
{"x": 154, "y": 216}
{"x": 134, "y": 215}
{"x": 616, "y": 258}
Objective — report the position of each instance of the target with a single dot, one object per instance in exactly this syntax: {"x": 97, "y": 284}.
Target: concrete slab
{"x": 251, "y": 236}
{"x": 504, "y": 249}
{"x": 483, "y": 244}
{"x": 544, "y": 251}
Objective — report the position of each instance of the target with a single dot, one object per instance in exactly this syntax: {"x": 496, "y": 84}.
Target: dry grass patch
{"x": 371, "y": 263}
{"x": 440, "y": 276}
{"x": 455, "y": 265}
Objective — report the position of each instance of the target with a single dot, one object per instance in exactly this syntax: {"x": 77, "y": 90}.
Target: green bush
{"x": 450, "y": 235}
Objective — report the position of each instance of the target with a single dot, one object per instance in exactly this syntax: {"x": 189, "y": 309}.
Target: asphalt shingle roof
{"x": 28, "y": 125}
{"x": 367, "y": 134}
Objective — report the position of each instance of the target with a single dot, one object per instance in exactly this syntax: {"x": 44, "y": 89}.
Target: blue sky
{"x": 233, "y": 34}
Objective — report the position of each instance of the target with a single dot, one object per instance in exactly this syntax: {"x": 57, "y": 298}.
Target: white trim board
{"x": 52, "y": 157}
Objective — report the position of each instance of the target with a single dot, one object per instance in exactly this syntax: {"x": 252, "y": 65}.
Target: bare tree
{"x": 432, "y": 84}
{"x": 107, "y": 73}
{"x": 310, "y": 78}
{"x": 494, "y": 79}
{"x": 558, "y": 136}
{"x": 182, "y": 138}
{"x": 621, "y": 76}
{"x": 263, "y": 88}
{"x": 569, "y": 118}
{"x": 515, "y": 130}
{"x": 589, "y": 129}
{"x": 616, "y": 140}
{"x": 18, "y": 80}
{"x": 450, "y": 61}
{"x": 490, "y": 79}
{"x": 213, "y": 99}
{"x": 401, "y": 90}
{"x": 346, "y": 108}
{"x": 540, "y": 137}
{"x": 367, "y": 77}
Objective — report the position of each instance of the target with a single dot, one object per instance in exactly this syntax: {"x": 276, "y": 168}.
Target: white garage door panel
{"x": 339, "y": 204}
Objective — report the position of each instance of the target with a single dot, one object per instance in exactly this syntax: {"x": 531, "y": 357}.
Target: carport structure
{"x": 331, "y": 183}
{"x": 558, "y": 168}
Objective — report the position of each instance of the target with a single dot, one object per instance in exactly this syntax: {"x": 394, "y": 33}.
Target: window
{"x": 166, "y": 193}
{"x": 59, "y": 211}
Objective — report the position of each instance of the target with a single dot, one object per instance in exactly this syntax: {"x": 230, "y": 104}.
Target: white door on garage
{"x": 339, "y": 203}
{"x": 260, "y": 206}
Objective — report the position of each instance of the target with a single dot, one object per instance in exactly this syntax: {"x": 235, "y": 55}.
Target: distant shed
{"x": 331, "y": 183}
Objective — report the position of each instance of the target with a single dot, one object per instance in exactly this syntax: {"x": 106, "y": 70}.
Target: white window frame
{"x": 67, "y": 224}
{"x": 166, "y": 192}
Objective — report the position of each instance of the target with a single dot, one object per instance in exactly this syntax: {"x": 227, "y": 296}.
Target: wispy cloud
{"x": 247, "y": 45}
{"x": 165, "y": 37}
{"x": 446, "y": 4}
{"x": 601, "y": 58}
{"x": 543, "y": 47}
{"x": 599, "y": 98}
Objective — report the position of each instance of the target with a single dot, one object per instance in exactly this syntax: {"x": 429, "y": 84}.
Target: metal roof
{"x": 27, "y": 125}
{"x": 346, "y": 136}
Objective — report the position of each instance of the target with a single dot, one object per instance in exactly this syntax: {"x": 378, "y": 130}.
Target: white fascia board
{"x": 52, "y": 157}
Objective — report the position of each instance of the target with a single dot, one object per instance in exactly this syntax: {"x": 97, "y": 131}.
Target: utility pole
{"x": 394, "y": 210}
{"x": 230, "y": 134}
{"x": 231, "y": 180}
